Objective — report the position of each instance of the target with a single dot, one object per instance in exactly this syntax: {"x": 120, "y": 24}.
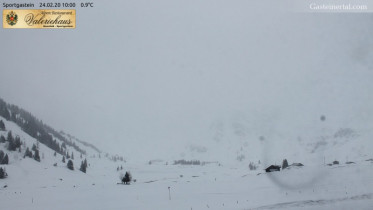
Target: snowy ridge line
{"x": 304, "y": 203}
{"x": 81, "y": 141}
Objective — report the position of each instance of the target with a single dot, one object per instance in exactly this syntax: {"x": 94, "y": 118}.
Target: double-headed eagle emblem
{"x": 12, "y": 18}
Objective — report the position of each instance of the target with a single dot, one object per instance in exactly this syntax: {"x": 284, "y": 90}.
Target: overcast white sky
{"x": 151, "y": 73}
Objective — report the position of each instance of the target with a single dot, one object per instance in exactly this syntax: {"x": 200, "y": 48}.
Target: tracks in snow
{"x": 305, "y": 203}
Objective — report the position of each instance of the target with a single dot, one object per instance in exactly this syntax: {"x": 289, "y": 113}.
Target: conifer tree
{"x": 70, "y": 165}
{"x": 36, "y": 155}
{"x": 11, "y": 145}
{"x": 63, "y": 159}
{"x": 2, "y": 154}
{"x": 17, "y": 142}
{"x": 10, "y": 136}
{"x": 3, "y": 173}
{"x": 127, "y": 178}
{"x": 2, "y": 125}
{"x": 285, "y": 164}
{"x": 83, "y": 167}
{"x": 5, "y": 160}
{"x": 28, "y": 153}
{"x": 33, "y": 148}
{"x": 2, "y": 139}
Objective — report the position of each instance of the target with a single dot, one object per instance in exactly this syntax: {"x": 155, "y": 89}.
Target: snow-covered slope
{"x": 46, "y": 153}
{"x": 160, "y": 186}
{"x": 240, "y": 138}
{"x": 230, "y": 185}
{"x": 27, "y": 172}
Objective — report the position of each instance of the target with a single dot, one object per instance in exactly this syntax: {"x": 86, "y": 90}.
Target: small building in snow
{"x": 297, "y": 164}
{"x": 273, "y": 168}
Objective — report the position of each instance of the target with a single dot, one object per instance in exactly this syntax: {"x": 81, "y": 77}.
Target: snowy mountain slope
{"x": 25, "y": 172}
{"x": 28, "y": 141}
{"x": 231, "y": 185}
{"x": 239, "y": 138}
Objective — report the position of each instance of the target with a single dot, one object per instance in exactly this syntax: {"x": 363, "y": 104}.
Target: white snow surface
{"x": 162, "y": 185}
{"x": 31, "y": 185}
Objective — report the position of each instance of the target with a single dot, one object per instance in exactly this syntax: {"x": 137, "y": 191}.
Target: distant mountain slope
{"x": 243, "y": 139}
{"x": 43, "y": 133}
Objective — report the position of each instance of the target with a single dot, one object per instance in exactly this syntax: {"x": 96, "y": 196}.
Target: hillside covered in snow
{"x": 26, "y": 143}
{"x": 329, "y": 168}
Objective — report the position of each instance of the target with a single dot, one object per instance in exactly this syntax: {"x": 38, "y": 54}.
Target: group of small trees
{"x": 13, "y": 143}
{"x": 187, "y": 162}
{"x": 28, "y": 153}
{"x": 83, "y": 166}
{"x": 252, "y": 166}
{"x": 116, "y": 158}
{"x": 127, "y": 178}
{"x": 68, "y": 155}
{"x": 4, "y": 160}
{"x": 240, "y": 157}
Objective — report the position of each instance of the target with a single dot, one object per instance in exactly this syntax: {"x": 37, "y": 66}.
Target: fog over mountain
{"x": 166, "y": 78}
